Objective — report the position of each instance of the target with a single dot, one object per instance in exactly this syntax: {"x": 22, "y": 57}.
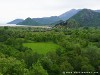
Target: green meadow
{"x": 42, "y": 47}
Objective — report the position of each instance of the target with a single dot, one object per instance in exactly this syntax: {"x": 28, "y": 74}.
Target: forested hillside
{"x": 67, "y": 50}
{"x": 47, "y": 20}
{"x": 84, "y": 18}
{"x": 28, "y": 21}
{"x": 87, "y": 17}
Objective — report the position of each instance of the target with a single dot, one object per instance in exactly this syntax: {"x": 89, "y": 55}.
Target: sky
{"x": 12, "y": 9}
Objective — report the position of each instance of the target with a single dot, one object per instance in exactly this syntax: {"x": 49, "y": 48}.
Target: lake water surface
{"x": 14, "y": 25}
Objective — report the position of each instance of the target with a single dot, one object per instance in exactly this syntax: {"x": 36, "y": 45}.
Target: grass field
{"x": 42, "y": 47}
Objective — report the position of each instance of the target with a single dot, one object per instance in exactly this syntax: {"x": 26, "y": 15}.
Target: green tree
{"x": 66, "y": 67}
{"x": 88, "y": 68}
{"x": 37, "y": 69}
{"x": 11, "y": 66}
{"x": 72, "y": 23}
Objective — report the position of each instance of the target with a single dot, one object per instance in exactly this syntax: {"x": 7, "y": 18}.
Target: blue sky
{"x": 12, "y": 9}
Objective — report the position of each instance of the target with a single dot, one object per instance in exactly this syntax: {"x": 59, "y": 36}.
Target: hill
{"x": 57, "y": 22}
{"x": 69, "y": 14}
{"x": 56, "y": 19}
{"x": 97, "y": 11}
{"x": 15, "y": 21}
{"x": 87, "y": 17}
{"x": 41, "y": 21}
{"x": 28, "y": 21}
{"x": 47, "y": 20}
{"x": 52, "y": 19}
{"x": 71, "y": 23}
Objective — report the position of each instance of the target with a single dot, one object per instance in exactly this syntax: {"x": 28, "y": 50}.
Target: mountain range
{"x": 85, "y": 17}
{"x": 49, "y": 20}
{"x": 56, "y": 19}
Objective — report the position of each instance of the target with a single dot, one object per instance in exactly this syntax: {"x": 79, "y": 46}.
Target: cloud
{"x": 11, "y": 9}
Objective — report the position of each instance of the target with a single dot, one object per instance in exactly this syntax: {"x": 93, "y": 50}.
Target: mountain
{"x": 47, "y": 20}
{"x": 15, "y": 21}
{"x": 57, "y": 22}
{"x": 71, "y": 23}
{"x": 97, "y": 11}
{"x": 56, "y": 19}
{"x": 87, "y": 17}
{"x": 28, "y": 21}
{"x": 69, "y": 14}
{"x": 41, "y": 21}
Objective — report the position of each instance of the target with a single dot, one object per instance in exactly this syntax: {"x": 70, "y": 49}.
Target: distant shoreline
{"x": 14, "y": 25}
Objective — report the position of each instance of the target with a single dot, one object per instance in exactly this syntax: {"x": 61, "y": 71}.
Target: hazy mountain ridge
{"x": 97, "y": 11}
{"x": 28, "y": 21}
{"x": 68, "y": 14}
{"x": 47, "y": 20}
{"x": 15, "y": 21}
{"x": 53, "y": 19}
{"x": 85, "y": 17}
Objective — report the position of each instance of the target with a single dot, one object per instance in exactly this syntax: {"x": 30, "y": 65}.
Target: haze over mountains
{"x": 15, "y": 21}
{"x": 47, "y": 20}
{"x": 68, "y": 14}
{"x": 81, "y": 15}
{"x": 28, "y": 21}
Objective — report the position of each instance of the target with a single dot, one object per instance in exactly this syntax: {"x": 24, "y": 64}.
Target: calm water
{"x": 10, "y": 25}
{"x": 14, "y": 25}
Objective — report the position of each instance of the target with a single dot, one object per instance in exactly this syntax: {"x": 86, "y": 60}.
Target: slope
{"x": 87, "y": 17}
{"x": 28, "y": 21}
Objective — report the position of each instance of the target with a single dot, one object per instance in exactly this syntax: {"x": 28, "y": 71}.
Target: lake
{"x": 14, "y": 25}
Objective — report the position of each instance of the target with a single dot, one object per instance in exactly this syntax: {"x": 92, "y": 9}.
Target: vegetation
{"x": 87, "y": 17}
{"x": 41, "y": 47}
{"x": 47, "y": 20}
{"x": 83, "y": 18}
{"x": 66, "y": 50}
{"x": 37, "y": 21}
{"x": 71, "y": 23}
{"x": 28, "y": 21}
